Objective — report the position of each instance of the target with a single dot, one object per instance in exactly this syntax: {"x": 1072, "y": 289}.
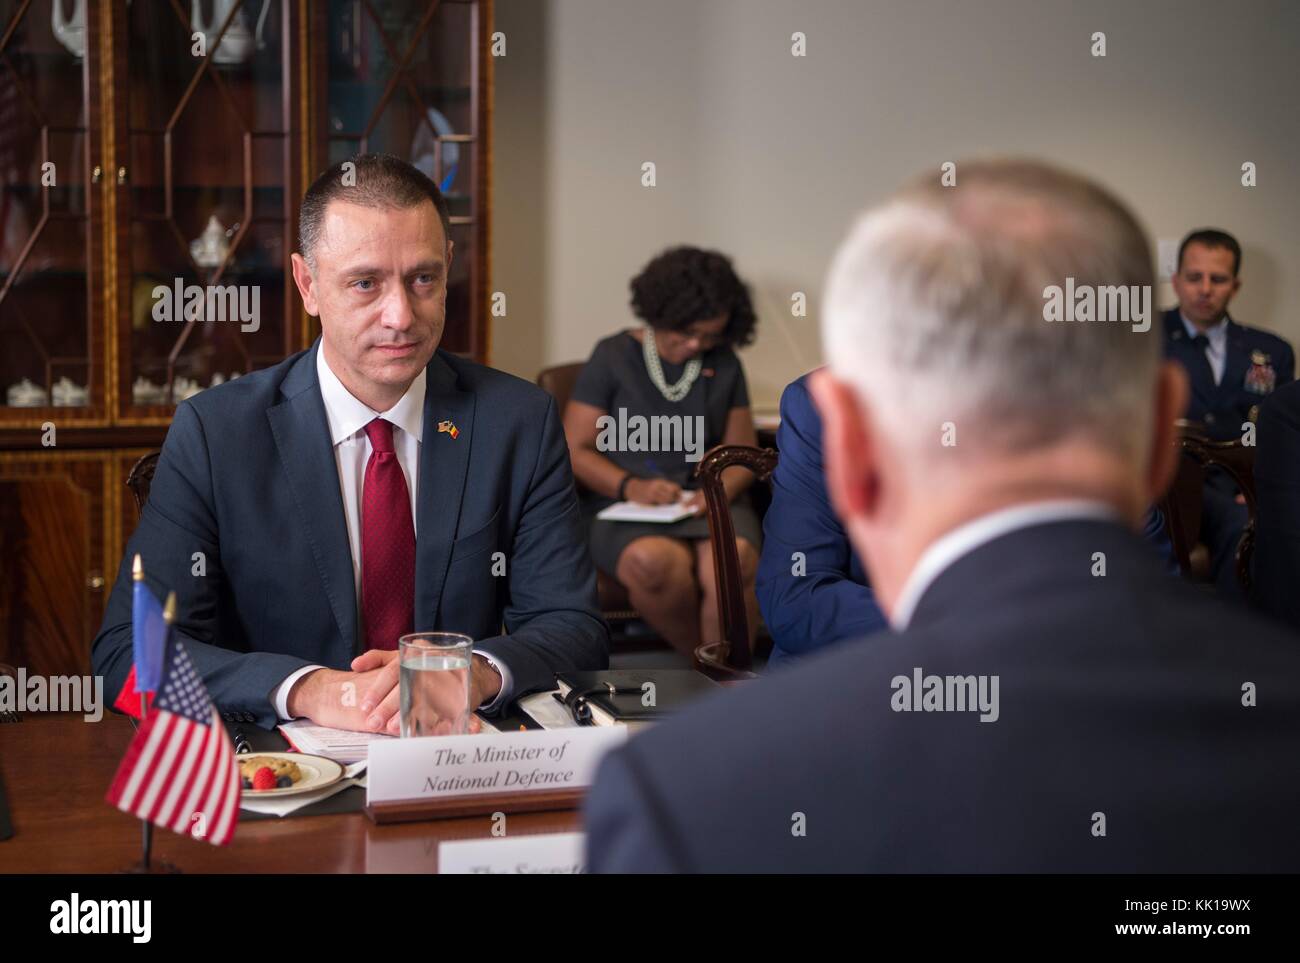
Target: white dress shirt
{"x": 1216, "y": 352}
{"x": 944, "y": 551}
{"x": 347, "y": 418}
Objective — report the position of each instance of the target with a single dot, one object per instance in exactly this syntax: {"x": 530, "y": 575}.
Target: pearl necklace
{"x": 678, "y": 391}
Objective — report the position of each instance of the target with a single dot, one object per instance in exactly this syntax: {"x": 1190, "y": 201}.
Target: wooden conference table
{"x": 57, "y": 767}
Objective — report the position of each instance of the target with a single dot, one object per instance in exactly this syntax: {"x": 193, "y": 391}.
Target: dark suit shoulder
{"x": 1277, "y": 443}
{"x": 251, "y": 393}
{"x": 1120, "y": 675}
{"x": 1283, "y": 405}
{"x": 1265, "y": 340}
{"x": 730, "y": 773}
{"x": 1173, "y": 324}
{"x": 796, "y": 399}
{"x": 799, "y": 435}
{"x": 496, "y": 386}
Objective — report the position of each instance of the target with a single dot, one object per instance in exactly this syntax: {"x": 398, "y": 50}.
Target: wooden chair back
{"x": 558, "y": 382}
{"x": 1183, "y": 503}
{"x": 730, "y": 657}
{"x": 141, "y": 478}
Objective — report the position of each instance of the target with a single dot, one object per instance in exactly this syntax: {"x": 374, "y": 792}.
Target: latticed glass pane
{"x": 402, "y": 81}
{"x": 209, "y": 212}
{"x": 44, "y": 221}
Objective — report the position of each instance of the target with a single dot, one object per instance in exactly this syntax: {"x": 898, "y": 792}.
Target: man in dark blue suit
{"x": 1232, "y": 369}
{"x": 1277, "y": 492}
{"x": 309, "y": 514}
{"x": 1048, "y": 698}
{"x": 811, "y": 587}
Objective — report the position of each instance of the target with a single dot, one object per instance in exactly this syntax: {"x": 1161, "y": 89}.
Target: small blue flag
{"x": 148, "y": 633}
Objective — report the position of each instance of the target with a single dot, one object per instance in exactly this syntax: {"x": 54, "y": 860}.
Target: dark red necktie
{"x": 387, "y": 544}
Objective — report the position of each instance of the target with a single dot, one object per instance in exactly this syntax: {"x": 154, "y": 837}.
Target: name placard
{"x": 543, "y": 854}
{"x": 452, "y": 776}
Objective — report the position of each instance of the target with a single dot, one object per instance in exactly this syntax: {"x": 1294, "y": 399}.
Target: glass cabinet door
{"x": 51, "y": 347}
{"x": 206, "y": 196}
{"x": 402, "y": 77}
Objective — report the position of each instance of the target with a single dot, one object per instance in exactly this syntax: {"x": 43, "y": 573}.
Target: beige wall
{"x": 768, "y": 157}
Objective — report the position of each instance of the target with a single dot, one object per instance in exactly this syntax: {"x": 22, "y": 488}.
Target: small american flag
{"x": 180, "y": 770}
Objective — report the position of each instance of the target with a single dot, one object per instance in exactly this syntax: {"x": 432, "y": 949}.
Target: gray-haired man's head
{"x": 962, "y": 377}
{"x": 935, "y": 309}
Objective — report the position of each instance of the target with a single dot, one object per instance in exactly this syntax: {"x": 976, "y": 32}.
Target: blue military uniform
{"x": 1256, "y": 363}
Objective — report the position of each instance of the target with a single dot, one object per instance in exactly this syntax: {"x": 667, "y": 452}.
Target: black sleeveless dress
{"x": 615, "y": 380}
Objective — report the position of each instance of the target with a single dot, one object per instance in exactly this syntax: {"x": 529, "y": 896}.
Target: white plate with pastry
{"x": 290, "y": 773}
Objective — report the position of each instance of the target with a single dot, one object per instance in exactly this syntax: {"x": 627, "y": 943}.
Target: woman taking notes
{"x": 649, "y": 402}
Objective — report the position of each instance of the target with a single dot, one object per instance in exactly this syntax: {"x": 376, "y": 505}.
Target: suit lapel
{"x": 444, "y": 464}
{"x": 301, "y": 434}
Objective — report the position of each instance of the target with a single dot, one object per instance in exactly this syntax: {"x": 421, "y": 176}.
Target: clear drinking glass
{"x": 435, "y": 683}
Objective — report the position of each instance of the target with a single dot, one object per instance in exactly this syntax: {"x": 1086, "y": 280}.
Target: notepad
{"x": 659, "y": 514}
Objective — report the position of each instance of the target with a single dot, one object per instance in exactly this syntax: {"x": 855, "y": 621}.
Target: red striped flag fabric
{"x": 180, "y": 771}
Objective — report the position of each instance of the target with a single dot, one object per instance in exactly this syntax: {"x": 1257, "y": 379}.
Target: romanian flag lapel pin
{"x": 449, "y": 427}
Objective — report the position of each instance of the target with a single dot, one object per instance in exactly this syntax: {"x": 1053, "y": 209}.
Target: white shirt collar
{"x": 347, "y": 415}
{"x": 961, "y": 541}
{"x": 1215, "y": 334}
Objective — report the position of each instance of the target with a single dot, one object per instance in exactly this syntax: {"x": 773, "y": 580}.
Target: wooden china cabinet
{"x": 146, "y": 144}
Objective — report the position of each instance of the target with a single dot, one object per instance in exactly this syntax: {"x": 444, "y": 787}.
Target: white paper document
{"x": 547, "y": 711}
{"x": 341, "y": 745}
{"x": 661, "y": 514}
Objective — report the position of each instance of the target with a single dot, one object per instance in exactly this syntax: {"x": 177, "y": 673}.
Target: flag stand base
{"x": 157, "y": 867}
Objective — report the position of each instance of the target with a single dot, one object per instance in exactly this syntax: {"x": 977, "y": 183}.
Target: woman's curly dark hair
{"x": 684, "y": 285}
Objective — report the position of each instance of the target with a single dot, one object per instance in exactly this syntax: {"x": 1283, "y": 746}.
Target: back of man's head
{"x": 935, "y": 312}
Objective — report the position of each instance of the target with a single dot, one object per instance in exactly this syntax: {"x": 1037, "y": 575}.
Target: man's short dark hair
{"x": 375, "y": 180}
{"x": 1212, "y": 237}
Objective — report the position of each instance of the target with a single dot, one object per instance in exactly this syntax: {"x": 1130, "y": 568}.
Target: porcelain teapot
{"x": 209, "y": 249}
{"x": 238, "y": 43}
{"x": 70, "y": 31}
